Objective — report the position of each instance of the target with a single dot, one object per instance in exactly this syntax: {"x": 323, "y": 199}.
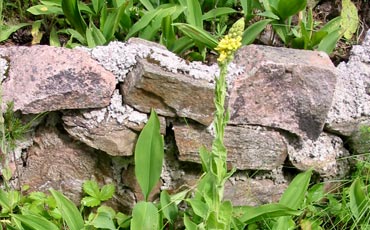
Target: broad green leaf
{"x": 69, "y": 211}
{"x": 247, "y": 8}
{"x": 103, "y": 220}
{"x": 214, "y": 13}
{"x": 199, "y": 207}
{"x": 144, "y": 216}
{"x": 14, "y": 197}
{"x": 294, "y": 195}
{"x": 250, "y": 34}
{"x": 269, "y": 14}
{"x": 248, "y": 214}
{"x": 287, "y": 8}
{"x": 91, "y": 188}
{"x": 329, "y": 42}
{"x": 169, "y": 208}
{"x": 148, "y": 5}
{"x": 51, "y": 2}
{"x": 90, "y": 201}
{"x": 357, "y": 198}
{"x": 123, "y": 220}
{"x": 317, "y": 37}
{"x": 107, "y": 192}
{"x": 285, "y": 222}
{"x": 332, "y": 25}
{"x": 94, "y": 36}
{"x": 350, "y": 20}
{"x": 189, "y": 225}
{"x": 73, "y": 14}
{"x": 54, "y": 39}
{"x": 35, "y": 222}
{"x": 149, "y": 155}
{"x": 6, "y": 30}
{"x": 112, "y": 22}
{"x": 198, "y": 35}
{"x": 168, "y": 36}
{"x": 194, "y": 13}
{"x": 205, "y": 157}
{"x": 226, "y": 211}
{"x": 183, "y": 44}
{"x": 4, "y": 202}
{"x": 97, "y": 5}
{"x": 75, "y": 34}
{"x": 143, "y": 22}
{"x": 45, "y": 10}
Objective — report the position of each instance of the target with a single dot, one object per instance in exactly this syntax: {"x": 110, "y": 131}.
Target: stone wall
{"x": 290, "y": 110}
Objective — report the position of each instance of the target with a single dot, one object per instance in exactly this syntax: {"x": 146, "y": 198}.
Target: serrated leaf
{"x": 349, "y": 19}
{"x": 144, "y": 216}
{"x": 149, "y": 154}
{"x": 107, "y": 192}
{"x": 91, "y": 188}
{"x": 90, "y": 201}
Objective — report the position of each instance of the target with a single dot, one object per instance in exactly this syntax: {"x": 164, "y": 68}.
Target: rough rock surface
{"x": 3, "y": 68}
{"x": 149, "y": 86}
{"x": 283, "y": 88}
{"x": 51, "y": 78}
{"x": 55, "y": 161}
{"x": 248, "y": 147}
{"x": 351, "y": 103}
{"x": 326, "y": 155}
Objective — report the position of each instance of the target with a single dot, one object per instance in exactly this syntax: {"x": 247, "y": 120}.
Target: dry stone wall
{"x": 289, "y": 109}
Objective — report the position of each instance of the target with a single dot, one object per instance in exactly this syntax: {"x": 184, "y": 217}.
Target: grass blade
{"x": 214, "y": 13}
{"x": 35, "y": 222}
{"x": 194, "y": 13}
{"x": 72, "y": 13}
{"x": 197, "y": 34}
{"x": 149, "y": 155}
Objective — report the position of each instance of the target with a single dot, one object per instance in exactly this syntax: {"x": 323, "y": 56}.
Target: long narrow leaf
{"x": 142, "y": 23}
{"x": 112, "y": 22}
{"x": 35, "y": 222}
{"x": 214, "y": 13}
{"x": 148, "y": 5}
{"x": 253, "y": 31}
{"x": 149, "y": 155}
{"x": 72, "y": 13}
{"x": 144, "y": 216}
{"x": 194, "y": 13}
{"x": 198, "y": 35}
{"x": 357, "y": 198}
{"x": 287, "y": 8}
{"x": 69, "y": 211}
{"x": 169, "y": 208}
{"x": 248, "y": 215}
{"x": 329, "y": 42}
{"x": 6, "y": 31}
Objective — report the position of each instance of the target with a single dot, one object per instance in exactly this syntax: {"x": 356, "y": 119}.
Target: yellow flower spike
{"x": 230, "y": 42}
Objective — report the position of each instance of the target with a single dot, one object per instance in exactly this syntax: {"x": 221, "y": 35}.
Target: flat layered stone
{"x": 283, "y": 88}
{"x": 248, "y": 148}
{"x": 45, "y": 78}
{"x": 171, "y": 94}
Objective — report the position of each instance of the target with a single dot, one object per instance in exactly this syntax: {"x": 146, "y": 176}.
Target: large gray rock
{"x": 326, "y": 155}
{"x": 283, "y": 88}
{"x": 45, "y": 78}
{"x": 148, "y": 86}
{"x": 351, "y": 103}
{"x": 248, "y": 147}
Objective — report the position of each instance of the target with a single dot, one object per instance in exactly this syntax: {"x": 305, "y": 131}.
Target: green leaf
{"x": 69, "y": 211}
{"x": 253, "y": 31}
{"x": 287, "y": 8}
{"x": 189, "y": 225}
{"x": 285, "y": 222}
{"x": 91, "y": 188}
{"x": 103, "y": 220}
{"x": 350, "y": 20}
{"x": 199, "y": 207}
{"x": 112, "y": 22}
{"x": 94, "y": 36}
{"x": 332, "y": 25}
{"x": 169, "y": 208}
{"x": 148, "y": 5}
{"x": 194, "y": 13}
{"x": 357, "y": 198}
{"x": 73, "y": 14}
{"x": 90, "y": 201}
{"x": 248, "y": 215}
{"x": 198, "y": 35}
{"x": 54, "y": 39}
{"x": 214, "y": 13}
{"x": 144, "y": 216}
{"x": 143, "y": 22}
{"x": 183, "y": 44}
{"x": 6, "y": 30}
{"x": 123, "y": 220}
{"x": 4, "y": 202}
{"x": 107, "y": 192}
{"x": 97, "y": 5}
{"x": 35, "y": 222}
{"x": 45, "y": 10}
{"x": 149, "y": 154}
{"x": 329, "y": 42}
{"x": 294, "y": 195}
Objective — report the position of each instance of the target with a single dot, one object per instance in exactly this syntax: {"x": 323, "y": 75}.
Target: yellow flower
{"x": 230, "y": 42}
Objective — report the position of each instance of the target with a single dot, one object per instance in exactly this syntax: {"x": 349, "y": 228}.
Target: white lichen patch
{"x": 3, "y": 68}
{"x": 120, "y": 58}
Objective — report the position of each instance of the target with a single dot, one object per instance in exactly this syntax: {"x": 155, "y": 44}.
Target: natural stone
{"x": 45, "y": 78}
{"x": 283, "y": 88}
{"x": 326, "y": 155}
{"x": 3, "y": 69}
{"x": 171, "y": 94}
{"x": 248, "y": 147}
{"x": 351, "y": 102}
{"x": 359, "y": 141}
